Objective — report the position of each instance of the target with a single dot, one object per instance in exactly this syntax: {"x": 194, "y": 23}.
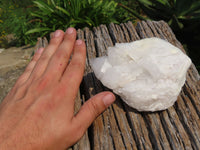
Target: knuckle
{"x": 20, "y": 91}
{"x": 22, "y": 79}
{"x": 30, "y": 66}
{"x": 94, "y": 109}
{"x": 77, "y": 64}
{"x": 54, "y": 41}
{"x": 35, "y": 57}
{"x": 48, "y": 106}
{"x": 44, "y": 57}
{"x": 42, "y": 83}
{"x": 62, "y": 54}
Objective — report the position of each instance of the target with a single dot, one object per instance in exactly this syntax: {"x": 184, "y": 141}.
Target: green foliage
{"x": 123, "y": 14}
{"x": 60, "y": 14}
{"x": 175, "y": 12}
{"x": 27, "y": 20}
{"x": 132, "y": 8}
{"x": 15, "y": 19}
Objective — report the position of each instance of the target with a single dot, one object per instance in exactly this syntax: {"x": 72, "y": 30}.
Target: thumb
{"x": 93, "y": 108}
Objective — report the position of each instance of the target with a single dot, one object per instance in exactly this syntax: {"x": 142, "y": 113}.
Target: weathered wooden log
{"x": 123, "y": 128}
{"x": 41, "y": 42}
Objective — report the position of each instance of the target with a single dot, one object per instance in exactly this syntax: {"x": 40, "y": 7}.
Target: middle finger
{"x": 60, "y": 59}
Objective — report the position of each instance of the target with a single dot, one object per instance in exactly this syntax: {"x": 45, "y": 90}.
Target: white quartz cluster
{"x": 147, "y": 74}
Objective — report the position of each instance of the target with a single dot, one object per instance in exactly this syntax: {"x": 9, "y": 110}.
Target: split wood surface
{"x": 123, "y": 128}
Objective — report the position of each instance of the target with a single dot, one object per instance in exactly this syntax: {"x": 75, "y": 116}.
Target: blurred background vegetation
{"x": 25, "y": 20}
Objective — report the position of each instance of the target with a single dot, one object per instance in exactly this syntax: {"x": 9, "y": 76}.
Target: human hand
{"x": 38, "y": 113}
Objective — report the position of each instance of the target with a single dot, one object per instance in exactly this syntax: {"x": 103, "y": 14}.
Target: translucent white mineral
{"x": 147, "y": 74}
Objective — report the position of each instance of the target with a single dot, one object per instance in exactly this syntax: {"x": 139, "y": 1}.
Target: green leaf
{"x": 194, "y": 8}
{"x": 43, "y": 6}
{"x": 63, "y": 10}
{"x": 157, "y": 9}
{"x": 39, "y": 15}
{"x": 182, "y": 5}
{"x": 37, "y": 30}
{"x": 133, "y": 12}
{"x": 52, "y": 1}
{"x": 145, "y": 2}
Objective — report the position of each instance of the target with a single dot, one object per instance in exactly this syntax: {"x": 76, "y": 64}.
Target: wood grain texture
{"x": 121, "y": 127}
{"x": 41, "y": 42}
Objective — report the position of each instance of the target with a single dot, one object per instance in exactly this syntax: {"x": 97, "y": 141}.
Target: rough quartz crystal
{"x": 147, "y": 74}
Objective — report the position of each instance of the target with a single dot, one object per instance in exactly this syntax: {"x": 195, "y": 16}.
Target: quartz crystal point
{"x": 147, "y": 74}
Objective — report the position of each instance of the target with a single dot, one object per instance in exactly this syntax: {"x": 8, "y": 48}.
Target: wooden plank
{"x": 119, "y": 114}
{"x": 125, "y": 32}
{"x": 189, "y": 118}
{"x": 132, "y": 32}
{"x": 141, "y": 138}
{"x": 122, "y": 122}
{"x": 41, "y": 42}
{"x": 102, "y": 42}
{"x": 175, "y": 132}
{"x": 101, "y": 139}
{"x": 153, "y": 29}
{"x": 118, "y": 121}
{"x": 91, "y": 52}
{"x": 167, "y": 33}
{"x": 154, "y": 130}
{"x": 114, "y": 31}
{"x": 121, "y": 127}
{"x": 106, "y": 123}
{"x": 140, "y": 30}
{"x": 139, "y": 129}
{"x": 99, "y": 42}
{"x": 84, "y": 142}
{"x": 172, "y": 133}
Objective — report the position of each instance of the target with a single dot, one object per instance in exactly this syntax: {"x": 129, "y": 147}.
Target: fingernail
{"x": 40, "y": 50}
{"x": 70, "y": 30}
{"x": 108, "y": 99}
{"x": 57, "y": 33}
{"x": 79, "y": 42}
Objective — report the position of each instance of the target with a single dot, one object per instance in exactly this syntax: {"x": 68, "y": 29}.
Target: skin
{"x": 38, "y": 113}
